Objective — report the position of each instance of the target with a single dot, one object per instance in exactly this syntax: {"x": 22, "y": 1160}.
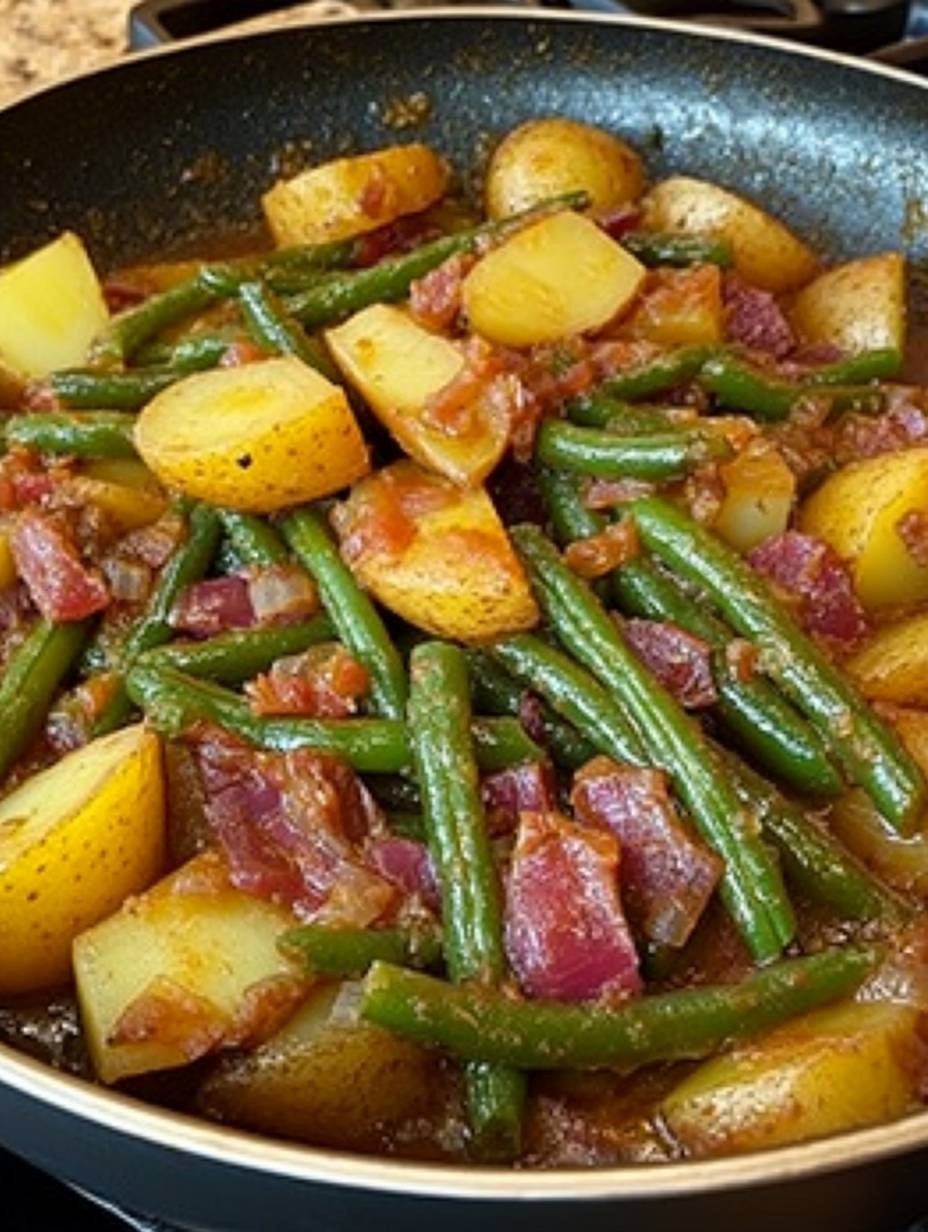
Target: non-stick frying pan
{"x": 173, "y": 148}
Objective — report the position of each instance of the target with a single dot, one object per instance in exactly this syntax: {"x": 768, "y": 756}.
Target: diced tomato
{"x": 325, "y": 682}
{"x": 59, "y": 584}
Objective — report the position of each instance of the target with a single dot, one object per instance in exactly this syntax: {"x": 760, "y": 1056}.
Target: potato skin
{"x": 766, "y": 252}
{"x": 548, "y": 157}
{"x": 94, "y": 834}
{"x": 893, "y": 666}
{"x": 859, "y": 306}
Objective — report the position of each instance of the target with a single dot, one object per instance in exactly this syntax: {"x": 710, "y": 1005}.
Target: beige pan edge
{"x": 177, "y": 1132}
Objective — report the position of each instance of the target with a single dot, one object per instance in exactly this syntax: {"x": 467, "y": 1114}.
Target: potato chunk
{"x": 51, "y": 308}
{"x": 326, "y": 1078}
{"x": 759, "y": 493}
{"x": 435, "y": 554}
{"x": 861, "y": 512}
{"x": 893, "y": 666}
{"x": 554, "y": 279}
{"x": 349, "y": 196}
{"x": 188, "y": 967}
{"x": 859, "y": 306}
{"x": 834, "y": 1070}
{"x": 258, "y": 438}
{"x": 766, "y": 253}
{"x": 75, "y": 839}
{"x": 398, "y": 366}
{"x": 680, "y": 308}
{"x": 901, "y": 862}
{"x": 546, "y": 158}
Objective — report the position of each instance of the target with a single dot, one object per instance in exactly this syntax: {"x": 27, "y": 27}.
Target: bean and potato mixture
{"x": 464, "y": 679}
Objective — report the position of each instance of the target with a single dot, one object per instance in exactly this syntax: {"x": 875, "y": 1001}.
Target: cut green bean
{"x": 196, "y": 353}
{"x": 751, "y": 885}
{"x": 876, "y": 365}
{"x": 129, "y": 330}
{"x": 607, "y": 455}
{"x": 737, "y": 384}
{"x": 349, "y": 952}
{"x": 256, "y": 542}
{"x": 35, "y": 670}
{"x": 91, "y": 434}
{"x": 274, "y": 330}
{"x": 870, "y": 753}
{"x": 677, "y": 249}
{"x": 599, "y": 410}
{"x": 240, "y": 654}
{"x": 657, "y": 376}
{"x": 353, "y": 614}
{"x": 84, "y": 389}
{"x": 474, "y": 1023}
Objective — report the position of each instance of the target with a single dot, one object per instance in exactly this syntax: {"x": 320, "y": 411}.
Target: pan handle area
{"x": 154, "y": 22}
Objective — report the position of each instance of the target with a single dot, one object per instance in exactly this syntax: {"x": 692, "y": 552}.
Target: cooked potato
{"x": 834, "y": 1070}
{"x": 398, "y": 366}
{"x": 188, "y": 967}
{"x": 75, "y": 839}
{"x": 857, "y": 307}
{"x": 8, "y": 574}
{"x": 893, "y": 666}
{"x": 435, "y": 554}
{"x": 556, "y": 278}
{"x": 545, "y": 158}
{"x": 51, "y": 308}
{"x": 327, "y": 1079}
{"x": 901, "y": 862}
{"x": 858, "y": 510}
{"x": 759, "y": 493}
{"x": 680, "y": 308}
{"x": 349, "y": 196}
{"x": 259, "y": 437}
{"x": 765, "y": 252}
{"x": 124, "y": 489}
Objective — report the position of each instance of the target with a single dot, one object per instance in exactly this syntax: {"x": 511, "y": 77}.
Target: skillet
{"x": 168, "y": 150}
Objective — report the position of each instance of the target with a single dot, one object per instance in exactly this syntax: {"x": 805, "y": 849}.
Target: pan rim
{"x": 185, "y": 1135}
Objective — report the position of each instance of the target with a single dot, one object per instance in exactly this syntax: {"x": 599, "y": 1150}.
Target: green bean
{"x": 474, "y": 1022}
{"x": 737, "y": 384}
{"x": 339, "y": 295}
{"x": 195, "y": 353}
{"x": 658, "y": 375}
{"x": 188, "y": 564}
{"x": 129, "y": 330}
{"x": 876, "y": 365}
{"x": 751, "y": 887}
{"x": 407, "y": 825}
{"x": 353, "y": 614}
{"x": 256, "y": 542}
{"x": 444, "y": 757}
{"x": 349, "y": 952}
{"x": 677, "y": 249}
{"x": 496, "y": 692}
{"x": 93, "y": 434}
{"x": 599, "y": 410}
{"x": 240, "y": 654}
{"x": 110, "y": 391}
{"x": 869, "y": 752}
{"x": 395, "y": 792}
{"x": 607, "y": 455}
{"x": 274, "y": 330}
{"x": 174, "y": 702}
{"x": 33, "y": 674}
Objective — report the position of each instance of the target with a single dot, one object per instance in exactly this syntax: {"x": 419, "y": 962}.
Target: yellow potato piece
{"x": 553, "y": 279}
{"x": 193, "y": 934}
{"x": 397, "y": 366}
{"x": 834, "y": 1070}
{"x": 759, "y": 493}
{"x": 859, "y": 306}
{"x": 459, "y": 577}
{"x": 349, "y": 196}
{"x": 8, "y": 574}
{"x": 901, "y": 862}
{"x": 326, "y": 1078}
{"x": 74, "y": 841}
{"x": 256, "y": 438}
{"x": 549, "y": 157}
{"x": 858, "y": 510}
{"x": 893, "y": 666}
{"x": 126, "y": 505}
{"x": 765, "y": 252}
{"x": 51, "y": 308}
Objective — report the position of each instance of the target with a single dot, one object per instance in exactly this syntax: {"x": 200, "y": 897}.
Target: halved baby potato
{"x": 859, "y": 306}
{"x": 349, "y": 196}
{"x": 435, "y": 554}
{"x": 398, "y": 366}
{"x": 75, "y": 839}
{"x": 258, "y": 438}
{"x": 554, "y": 279}
{"x": 765, "y": 252}
{"x": 51, "y": 309}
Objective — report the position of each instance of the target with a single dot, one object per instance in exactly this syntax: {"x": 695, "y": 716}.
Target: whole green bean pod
{"x": 255, "y": 541}
{"x": 751, "y": 886}
{"x": 658, "y": 375}
{"x": 353, "y": 614}
{"x": 110, "y": 391}
{"x": 33, "y": 674}
{"x": 474, "y": 1022}
{"x": 188, "y": 564}
{"x": 349, "y": 952}
{"x": 446, "y": 766}
{"x": 608, "y": 455}
{"x": 677, "y": 249}
{"x": 275, "y": 330}
{"x": 239, "y": 654}
{"x": 91, "y": 434}
{"x": 870, "y": 753}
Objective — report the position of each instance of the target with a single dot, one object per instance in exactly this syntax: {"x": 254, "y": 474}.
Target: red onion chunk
{"x": 407, "y": 864}
{"x": 811, "y": 572}
{"x": 529, "y": 788}
{"x": 214, "y": 606}
{"x": 58, "y": 582}
{"x": 667, "y": 875}
{"x": 755, "y": 319}
{"x": 280, "y": 594}
{"x": 680, "y": 661}
{"x": 566, "y": 936}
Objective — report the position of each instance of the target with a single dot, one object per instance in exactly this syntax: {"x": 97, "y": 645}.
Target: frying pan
{"x": 169, "y": 149}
